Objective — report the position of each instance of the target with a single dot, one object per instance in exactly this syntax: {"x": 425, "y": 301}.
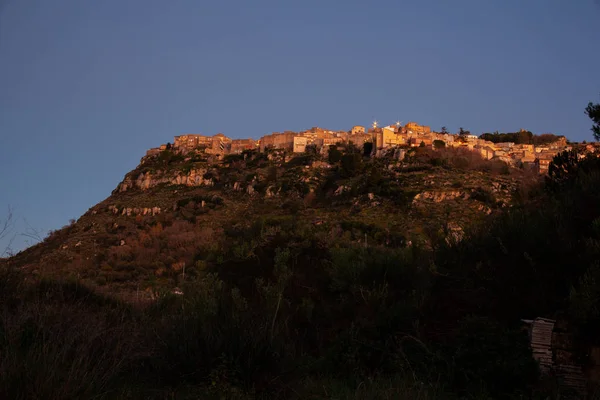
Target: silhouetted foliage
{"x": 334, "y": 155}
{"x": 284, "y": 301}
{"x": 351, "y": 164}
{"x": 367, "y": 148}
{"x": 521, "y": 137}
{"x": 593, "y": 111}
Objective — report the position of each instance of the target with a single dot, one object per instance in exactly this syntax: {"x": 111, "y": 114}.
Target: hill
{"x": 176, "y": 212}
{"x": 278, "y": 275}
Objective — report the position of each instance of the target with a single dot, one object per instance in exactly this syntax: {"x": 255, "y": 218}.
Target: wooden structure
{"x": 545, "y": 348}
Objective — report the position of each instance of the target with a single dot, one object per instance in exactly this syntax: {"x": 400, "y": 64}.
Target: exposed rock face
{"x": 144, "y": 181}
{"x": 341, "y": 190}
{"x": 439, "y": 196}
{"x": 270, "y": 192}
{"x": 132, "y": 211}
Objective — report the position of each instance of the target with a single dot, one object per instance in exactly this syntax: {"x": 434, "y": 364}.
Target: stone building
{"x": 416, "y": 141}
{"x": 189, "y": 142}
{"x": 486, "y": 152}
{"x": 357, "y": 129}
{"x": 239, "y": 145}
{"x": 278, "y": 141}
{"x": 300, "y": 143}
{"x": 543, "y": 160}
{"x": 359, "y": 139}
{"x": 221, "y": 144}
{"x": 386, "y": 137}
{"x": 413, "y": 127}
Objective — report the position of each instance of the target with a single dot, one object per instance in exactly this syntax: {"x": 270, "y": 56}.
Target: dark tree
{"x": 367, "y": 149}
{"x": 444, "y": 130}
{"x": 351, "y": 164}
{"x": 524, "y": 137}
{"x": 334, "y": 154}
{"x": 463, "y": 132}
{"x": 593, "y": 111}
{"x": 311, "y": 149}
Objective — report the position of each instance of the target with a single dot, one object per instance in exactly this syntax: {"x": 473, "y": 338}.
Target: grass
{"x": 277, "y": 306}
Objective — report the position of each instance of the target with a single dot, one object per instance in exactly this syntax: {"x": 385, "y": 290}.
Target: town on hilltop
{"x": 383, "y": 140}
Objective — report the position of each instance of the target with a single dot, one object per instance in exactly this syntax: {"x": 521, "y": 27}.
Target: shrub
{"x": 439, "y": 144}
{"x": 483, "y": 195}
{"x": 351, "y": 164}
{"x": 334, "y": 155}
{"x": 213, "y": 332}
{"x": 63, "y": 342}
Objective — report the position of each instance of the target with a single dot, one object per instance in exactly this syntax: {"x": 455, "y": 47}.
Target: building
{"x": 277, "y": 140}
{"x": 239, "y": 145}
{"x": 220, "y": 144}
{"x": 413, "y": 127}
{"x": 416, "y": 141}
{"x": 544, "y": 159}
{"x": 385, "y": 137}
{"x": 300, "y": 143}
{"x": 486, "y": 152}
{"x": 357, "y": 129}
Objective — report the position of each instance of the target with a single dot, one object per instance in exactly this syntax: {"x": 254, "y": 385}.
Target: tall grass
{"x": 61, "y": 342}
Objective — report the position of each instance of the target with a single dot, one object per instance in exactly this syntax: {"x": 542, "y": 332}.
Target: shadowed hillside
{"x": 271, "y": 275}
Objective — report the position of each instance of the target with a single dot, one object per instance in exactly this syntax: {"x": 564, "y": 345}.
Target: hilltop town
{"x": 392, "y": 139}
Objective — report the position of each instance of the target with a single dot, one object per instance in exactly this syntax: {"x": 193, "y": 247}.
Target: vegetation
{"x": 343, "y": 284}
{"x": 593, "y": 111}
{"x": 521, "y": 137}
{"x": 285, "y": 312}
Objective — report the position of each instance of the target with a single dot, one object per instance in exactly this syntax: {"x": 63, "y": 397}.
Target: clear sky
{"x": 87, "y": 86}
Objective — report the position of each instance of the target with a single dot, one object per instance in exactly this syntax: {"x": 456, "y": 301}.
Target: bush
{"x": 334, "y": 155}
{"x": 213, "y": 331}
{"x": 483, "y": 195}
{"x": 63, "y": 342}
{"x": 439, "y": 144}
{"x": 351, "y": 164}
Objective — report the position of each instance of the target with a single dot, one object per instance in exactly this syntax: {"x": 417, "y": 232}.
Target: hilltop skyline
{"x": 87, "y": 88}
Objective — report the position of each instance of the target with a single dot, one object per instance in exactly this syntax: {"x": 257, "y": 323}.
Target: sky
{"x": 87, "y": 86}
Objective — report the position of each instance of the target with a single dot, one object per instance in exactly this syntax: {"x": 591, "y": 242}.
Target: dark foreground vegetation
{"x": 291, "y": 318}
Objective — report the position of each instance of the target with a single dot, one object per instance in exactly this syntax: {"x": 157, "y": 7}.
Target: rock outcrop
{"x": 144, "y": 181}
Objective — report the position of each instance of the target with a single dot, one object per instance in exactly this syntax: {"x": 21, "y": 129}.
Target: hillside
{"x": 278, "y": 275}
{"x": 174, "y": 212}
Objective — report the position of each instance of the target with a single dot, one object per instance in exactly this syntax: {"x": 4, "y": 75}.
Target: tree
{"x": 463, "y": 132}
{"x": 566, "y": 169}
{"x": 311, "y": 149}
{"x": 524, "y": 137}
{"x": 593, "y": 111}
{"x": 367, "y": 149}
{"x": 351, "y": 164}
{"x": 334, "y": 154}
{"x": 439, "y": 144}
{"x": 444, "y": 130}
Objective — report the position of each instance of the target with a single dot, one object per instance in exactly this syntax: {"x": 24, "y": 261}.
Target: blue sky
{"x": 87, "y": 86}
